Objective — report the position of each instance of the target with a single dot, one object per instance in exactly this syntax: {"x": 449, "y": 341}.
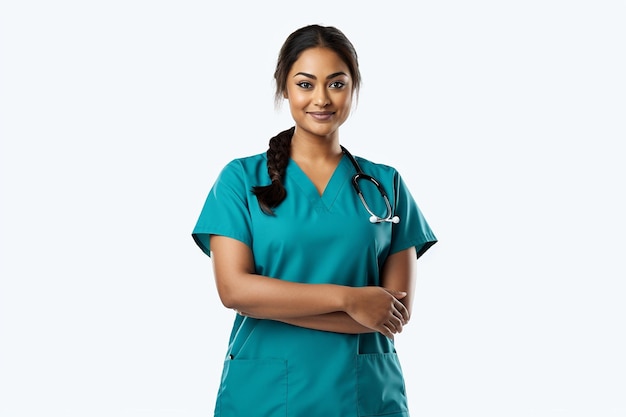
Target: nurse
{"x": 321, "y": 277}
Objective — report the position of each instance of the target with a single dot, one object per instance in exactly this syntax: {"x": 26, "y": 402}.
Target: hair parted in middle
{"x": 278, "y": 154}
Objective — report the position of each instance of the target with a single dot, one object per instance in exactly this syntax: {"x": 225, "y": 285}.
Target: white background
{"x": 506, "y": 118}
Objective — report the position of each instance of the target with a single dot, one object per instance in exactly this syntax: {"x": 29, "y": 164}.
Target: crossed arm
{"x": 385, "y": 309}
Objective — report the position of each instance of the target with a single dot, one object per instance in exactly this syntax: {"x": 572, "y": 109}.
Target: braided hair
{"x": 278, "y": 155}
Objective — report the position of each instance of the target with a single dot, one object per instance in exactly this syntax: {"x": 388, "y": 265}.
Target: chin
{"x": 321, "y": 129}
{"x": 324, "y": 131}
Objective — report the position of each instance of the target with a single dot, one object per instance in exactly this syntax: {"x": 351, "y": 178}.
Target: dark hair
{"x": 279, "y": 152}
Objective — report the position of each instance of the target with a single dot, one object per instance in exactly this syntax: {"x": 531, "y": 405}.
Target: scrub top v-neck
{"x": 272, "y": 368}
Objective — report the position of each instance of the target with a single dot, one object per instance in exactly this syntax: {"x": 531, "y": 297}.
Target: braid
{"x": 270, "y": 196}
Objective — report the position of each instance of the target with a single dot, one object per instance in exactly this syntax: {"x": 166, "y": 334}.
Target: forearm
{"x": 241, "y": 289}
{"x": 271, "y": 298}
{"x": 326, "y": 307}
{"x": 337, "y": 322}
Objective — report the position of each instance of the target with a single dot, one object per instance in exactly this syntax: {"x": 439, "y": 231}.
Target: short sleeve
{"x": 412, "y": 230}
{"x": 225, "y": 211}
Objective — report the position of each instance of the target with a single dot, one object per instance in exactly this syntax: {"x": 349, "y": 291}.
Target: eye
{"x": 337, "y": 84}
{"x": 304, "y": 84}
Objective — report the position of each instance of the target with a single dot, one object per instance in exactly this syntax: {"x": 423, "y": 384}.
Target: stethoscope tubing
{"x": 360, "y": 175}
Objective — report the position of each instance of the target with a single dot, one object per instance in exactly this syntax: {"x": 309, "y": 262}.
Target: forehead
{"x": 319, "y": 61}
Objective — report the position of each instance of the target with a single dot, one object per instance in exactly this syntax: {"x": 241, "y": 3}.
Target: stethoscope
{"x": 360, "y": 175}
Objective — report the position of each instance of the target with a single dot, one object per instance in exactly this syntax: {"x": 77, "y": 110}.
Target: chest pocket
{"x": 380, "y": 385}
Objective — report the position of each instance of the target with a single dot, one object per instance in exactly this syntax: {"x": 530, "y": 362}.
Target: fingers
{"x": 385, "y": 331}
{"x": 401, "y": 308}
{"x": 380, "y": 309}
{"x": 396, "y": 322}
{"x": 392, "y": 327}
{"x": 402, "y": 311}
{"x": 398, "y": 294}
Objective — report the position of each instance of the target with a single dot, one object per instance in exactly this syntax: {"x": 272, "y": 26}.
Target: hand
{"x": 378, "y": 309}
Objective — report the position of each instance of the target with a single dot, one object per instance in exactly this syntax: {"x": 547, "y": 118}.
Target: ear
{"x": 285, "y": 95}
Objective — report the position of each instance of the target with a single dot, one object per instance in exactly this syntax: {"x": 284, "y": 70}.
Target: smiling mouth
{"x": 321, "y": 115}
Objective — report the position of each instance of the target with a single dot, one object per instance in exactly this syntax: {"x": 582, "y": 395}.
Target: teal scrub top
{"x": 277, "y": 369}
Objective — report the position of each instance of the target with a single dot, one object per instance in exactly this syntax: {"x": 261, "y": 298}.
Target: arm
{"x": 398, "y": 274}
{"x": 239, "y": 288}
{"x": 337, "y": 322}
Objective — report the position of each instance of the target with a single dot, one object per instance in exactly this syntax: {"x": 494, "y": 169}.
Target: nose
{"x": 321, "y": 98}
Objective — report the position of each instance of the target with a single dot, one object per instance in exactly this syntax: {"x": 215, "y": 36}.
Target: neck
{"x": 309, "y": 147}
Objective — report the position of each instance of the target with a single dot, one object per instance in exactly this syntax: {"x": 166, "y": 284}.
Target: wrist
{"x": 346, "y": 298}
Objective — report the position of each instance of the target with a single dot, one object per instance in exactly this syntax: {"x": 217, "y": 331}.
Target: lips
{"x": 321, "y": 115}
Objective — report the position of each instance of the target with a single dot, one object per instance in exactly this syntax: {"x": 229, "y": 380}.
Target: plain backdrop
{"x": 506, "y": 119}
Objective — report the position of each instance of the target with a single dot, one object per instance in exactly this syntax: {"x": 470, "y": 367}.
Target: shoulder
{"x": 247, "y": 161}
{"x": 372, "y": 167}
{"x": 246, "y": 166}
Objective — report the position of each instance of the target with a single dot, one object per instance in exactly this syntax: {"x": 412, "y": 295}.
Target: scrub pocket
{"x": 253, "y": 388}
{"x": 380, "y": 385}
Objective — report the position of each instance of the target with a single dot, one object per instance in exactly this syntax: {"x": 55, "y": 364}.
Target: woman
{"x": 320, "y": 283}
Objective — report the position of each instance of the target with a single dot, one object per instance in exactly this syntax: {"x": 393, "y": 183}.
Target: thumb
{"x": 398, "y": 294}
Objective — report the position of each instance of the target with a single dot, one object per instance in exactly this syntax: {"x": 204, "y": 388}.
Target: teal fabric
{"x": 275, "y": 369}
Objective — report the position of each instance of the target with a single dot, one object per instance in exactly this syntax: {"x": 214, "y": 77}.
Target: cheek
{"x": 295, "y": 109}
{"x": 297, "y": 101}
{"x": 344, "y": 102}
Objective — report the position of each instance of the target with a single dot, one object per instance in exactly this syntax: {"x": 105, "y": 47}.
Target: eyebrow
{"x": 336, "y": 74}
